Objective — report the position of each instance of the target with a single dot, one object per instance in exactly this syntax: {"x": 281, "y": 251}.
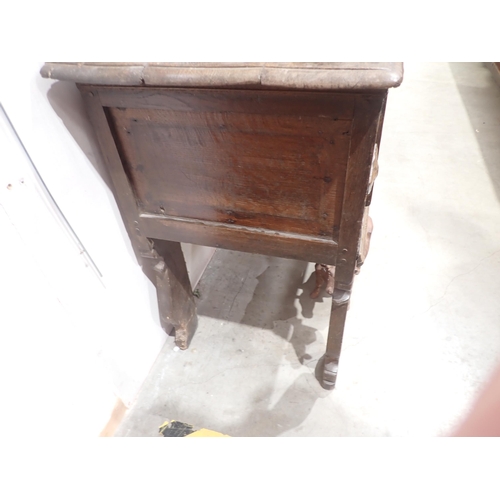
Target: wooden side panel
{"x": 242, "y": 239}
{"x": 267, "y": 160}
{"x": 366, "y": 131}
{"x": 334, "y": 105}
{"x": 196, "y": 164}
{"x": 123, "y": 192}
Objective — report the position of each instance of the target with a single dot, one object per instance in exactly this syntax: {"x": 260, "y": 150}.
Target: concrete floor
{"x": 423, "y": 330}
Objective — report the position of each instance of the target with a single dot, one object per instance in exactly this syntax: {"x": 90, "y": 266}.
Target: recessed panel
{"x": 282, "y": 172}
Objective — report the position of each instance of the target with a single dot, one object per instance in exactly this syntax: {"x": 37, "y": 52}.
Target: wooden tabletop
{"x": 311, "y": 76}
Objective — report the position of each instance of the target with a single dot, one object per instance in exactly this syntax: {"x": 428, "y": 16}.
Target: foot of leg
{"x": 326, "y": 372}
{"x": 175, "y": 297}
{"x": 328, "y": 365}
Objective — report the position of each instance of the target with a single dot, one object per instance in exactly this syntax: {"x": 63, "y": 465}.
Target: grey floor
{"x": 423, "y": 330}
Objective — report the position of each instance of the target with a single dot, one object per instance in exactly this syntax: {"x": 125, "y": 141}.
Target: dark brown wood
{"x": 175, "y": 297}
{"x": 240, "y": 238}
{"x": 123, "y": 192}
{"x": 164, "y": 264}
{"x": 366, "y": 128}
{"x": 330, "y": 362}
{"x": 273, "y": 158}
{"x": 228, "y": 101}
{"x": 280, "y": 172}
{"x": 362, "y": 169}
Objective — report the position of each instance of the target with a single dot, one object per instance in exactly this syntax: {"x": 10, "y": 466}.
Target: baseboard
{"x": 117, "y": 414}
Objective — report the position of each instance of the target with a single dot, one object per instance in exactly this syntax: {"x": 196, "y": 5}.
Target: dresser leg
{"x": 175, "y": 296}
{"x": 324, "y": 278}
{"x": 328, "y": 365}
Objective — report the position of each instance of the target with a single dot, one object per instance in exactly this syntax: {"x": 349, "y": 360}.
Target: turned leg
{"x": 328, "y": 365}
{"x": 175, "y": 297}
{"x": 324, "y": 278}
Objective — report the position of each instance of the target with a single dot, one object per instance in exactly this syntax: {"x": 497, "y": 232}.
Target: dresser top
{"x": 293, "y": 75}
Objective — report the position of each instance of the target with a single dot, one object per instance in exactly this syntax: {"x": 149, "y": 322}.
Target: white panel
{"x": 116, "y": 316}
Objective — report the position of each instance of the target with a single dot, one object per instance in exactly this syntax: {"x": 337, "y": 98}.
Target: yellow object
{"x": 181, "y": 429}
{"x": 206, "y": 433}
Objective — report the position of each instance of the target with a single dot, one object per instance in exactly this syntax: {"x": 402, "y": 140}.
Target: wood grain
{"x": 333, "y": 105}
{"x": 282, "y": 173}
{"x": 366, "y": 130}
{"x": 231, "y": 237}
{"x": 175, "y": 297}
{"x": 279, "y": 172}
{"x": 122, "y": 190}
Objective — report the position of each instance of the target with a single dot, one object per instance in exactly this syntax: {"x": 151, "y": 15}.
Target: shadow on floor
{"x": 288, "y": 413}
{"x": 262, "y": 292}
{"x": 481, "y": 100}
{"x": 271, "y": 305}
{"x": 266, "y": 288}
{"x": 262, "y": 418}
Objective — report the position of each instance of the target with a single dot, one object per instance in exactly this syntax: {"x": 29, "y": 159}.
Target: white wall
{"x": 92, "y": 338}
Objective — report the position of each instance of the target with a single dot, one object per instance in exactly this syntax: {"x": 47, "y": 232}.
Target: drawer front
{"x": 267, "y": 160}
